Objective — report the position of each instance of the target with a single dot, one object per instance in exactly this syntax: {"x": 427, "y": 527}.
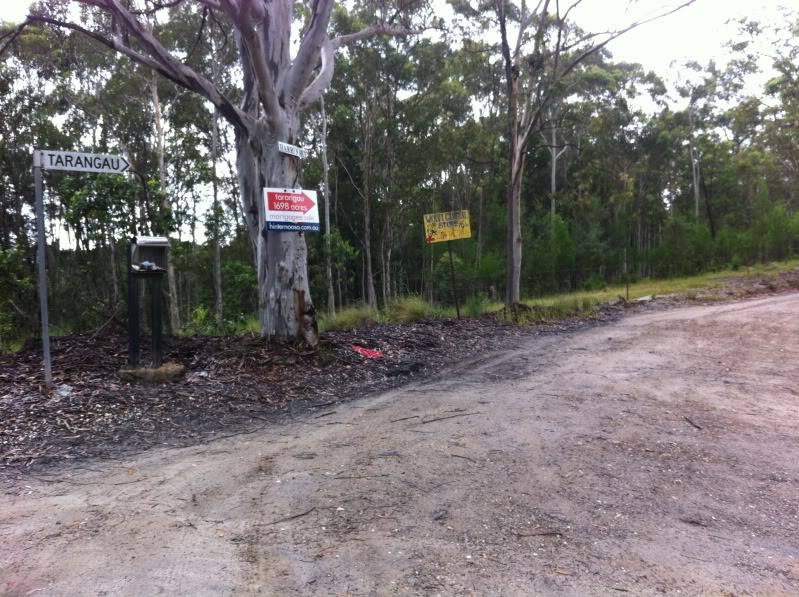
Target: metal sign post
{"x": 454, "y": 283}
{"x": 41, "y": 266}
{"x": 448, "y": 226}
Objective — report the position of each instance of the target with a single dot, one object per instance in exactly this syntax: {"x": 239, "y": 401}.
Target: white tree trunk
{"x": 366, "y": 167}
{"x": 514, "y": 266}
{"x": 217, "y": 213}
{"x": 284, "y": 299}
{"x": 172, "y": 286}
{"x": 331, "y": 297}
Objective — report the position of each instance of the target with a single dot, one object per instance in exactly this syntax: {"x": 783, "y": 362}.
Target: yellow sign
{"x": 449, "y": 225}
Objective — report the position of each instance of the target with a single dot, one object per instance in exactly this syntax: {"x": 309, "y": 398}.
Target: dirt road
{"x": 657, "y": 455}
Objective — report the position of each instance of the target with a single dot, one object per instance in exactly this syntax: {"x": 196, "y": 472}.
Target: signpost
{"x": 291, "y": 210}
{"x": 74, "y": 161}
{"x": 448, "y": 226}
{"x": 292, "y": 150}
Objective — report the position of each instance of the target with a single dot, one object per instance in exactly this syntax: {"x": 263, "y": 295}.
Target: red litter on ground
{"x": 366, "y": 352}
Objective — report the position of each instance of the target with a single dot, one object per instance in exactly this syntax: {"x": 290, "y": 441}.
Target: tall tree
{"x": 276, "y": 88}
{"x": 545, "y": 49}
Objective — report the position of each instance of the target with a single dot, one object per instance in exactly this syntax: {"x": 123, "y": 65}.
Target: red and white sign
{"x": 291, "y": 209}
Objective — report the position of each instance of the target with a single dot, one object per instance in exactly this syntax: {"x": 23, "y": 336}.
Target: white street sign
{"x": 292, "y": 150}
{"x": 76, "y": 161}
{"x": 291, "y": 210}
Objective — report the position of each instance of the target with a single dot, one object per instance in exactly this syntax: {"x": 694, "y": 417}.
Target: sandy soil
{"x": 656, "y": 455}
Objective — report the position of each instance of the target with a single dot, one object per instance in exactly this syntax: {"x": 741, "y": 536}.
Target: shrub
{"x": 350, "y": 318}
{"x": 409, "y": 308}
{"x": 475, "y": 306}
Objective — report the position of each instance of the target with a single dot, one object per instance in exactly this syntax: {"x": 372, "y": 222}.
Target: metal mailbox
{"x": 148, "y": 254}
{"x": 147, "y": 263}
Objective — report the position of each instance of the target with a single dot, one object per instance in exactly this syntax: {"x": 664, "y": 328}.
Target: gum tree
{"x": 275, "y": 88}
{"x": 540, "y": 47}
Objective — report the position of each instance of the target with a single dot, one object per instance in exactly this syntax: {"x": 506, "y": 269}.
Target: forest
{"x": 578, "y": 170}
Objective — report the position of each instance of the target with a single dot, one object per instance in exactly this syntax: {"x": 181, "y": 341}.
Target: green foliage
{"x": 409, "y": 308}
{"x": 350, "y": 318}
{"x": 413, "y": 128}
{"x": 476, "y": 305}
{"x": 202, "y": 322}
{"x": 239, "y": 290}
{"x": 17, "y": 302}
{"x": 551, "y": 257}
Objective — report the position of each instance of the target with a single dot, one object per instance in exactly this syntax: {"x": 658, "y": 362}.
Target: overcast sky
{"x": 697, "y": 32}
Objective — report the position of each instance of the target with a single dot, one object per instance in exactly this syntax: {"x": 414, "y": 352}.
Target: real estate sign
{"x": 448, "y": 225}
{"x": 291, "y": 210}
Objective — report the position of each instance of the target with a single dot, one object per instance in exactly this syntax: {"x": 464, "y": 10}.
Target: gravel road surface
{"x": 656, "y": 455}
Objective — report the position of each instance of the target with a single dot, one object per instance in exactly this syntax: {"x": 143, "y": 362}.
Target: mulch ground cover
{"x": 233, "y": 384}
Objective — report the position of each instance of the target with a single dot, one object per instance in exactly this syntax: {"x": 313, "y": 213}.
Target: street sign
{"x": 291, "y": 210}
{"x": 448, "y": 225}
{"x": 292, "y": 150}
{"x": 76, "y": 161}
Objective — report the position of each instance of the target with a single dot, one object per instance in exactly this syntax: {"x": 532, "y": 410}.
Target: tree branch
{"x": 266, "y": 86}
{"x": 371, "y": 31}
{"x": 163, "y": 63}
{"x": 313, "y": 43}
{"x": 11, "y": 36}
{"x": 317, "y": 87}
{"x": 615, "y": 34}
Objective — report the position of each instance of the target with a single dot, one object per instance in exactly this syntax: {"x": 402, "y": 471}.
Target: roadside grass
{"x": 546, "y": 308}
{"x": 405, "y": 309}
{"x": 583, "y": 303}
{"x": 350, "y": 318}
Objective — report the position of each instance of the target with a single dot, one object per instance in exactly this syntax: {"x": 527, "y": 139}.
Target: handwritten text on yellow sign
{"x": 449, "y": 225}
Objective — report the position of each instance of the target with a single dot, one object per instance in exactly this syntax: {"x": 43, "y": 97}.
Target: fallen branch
{"x": 538, "y": 534}
{"x": 360, "y": 477}
{"x": 99, "y": 330}
{"x": 464, "y": 457}
{"x": 294, "y": 516}
{"x": 426, "y": 421}
{"x": 404, "y": 419}
{"x": 692, "y": 423}
{"x": 693, "y": 521}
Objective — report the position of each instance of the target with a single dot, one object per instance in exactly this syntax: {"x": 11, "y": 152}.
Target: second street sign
{"x": 76, "y": 161}
{"x": 292, "y": 150}
{"x": 291, "y": 210}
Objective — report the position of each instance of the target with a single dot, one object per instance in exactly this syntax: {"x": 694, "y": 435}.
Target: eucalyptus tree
{"x": 539, "y": 47}
{"x": 275, "y": 89}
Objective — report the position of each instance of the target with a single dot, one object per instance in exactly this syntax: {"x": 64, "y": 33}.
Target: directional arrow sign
{"x": 80, "y": 162}
{"x": 291, "y": 209}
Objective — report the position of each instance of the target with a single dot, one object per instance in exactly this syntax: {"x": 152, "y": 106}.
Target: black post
{"x": 452, "y": 273}
{"x": 134, "y": 330}
{"x": 155, "y": 298}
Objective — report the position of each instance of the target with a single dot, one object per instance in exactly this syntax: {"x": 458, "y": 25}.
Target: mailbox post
{"x": 147, "y": 259}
